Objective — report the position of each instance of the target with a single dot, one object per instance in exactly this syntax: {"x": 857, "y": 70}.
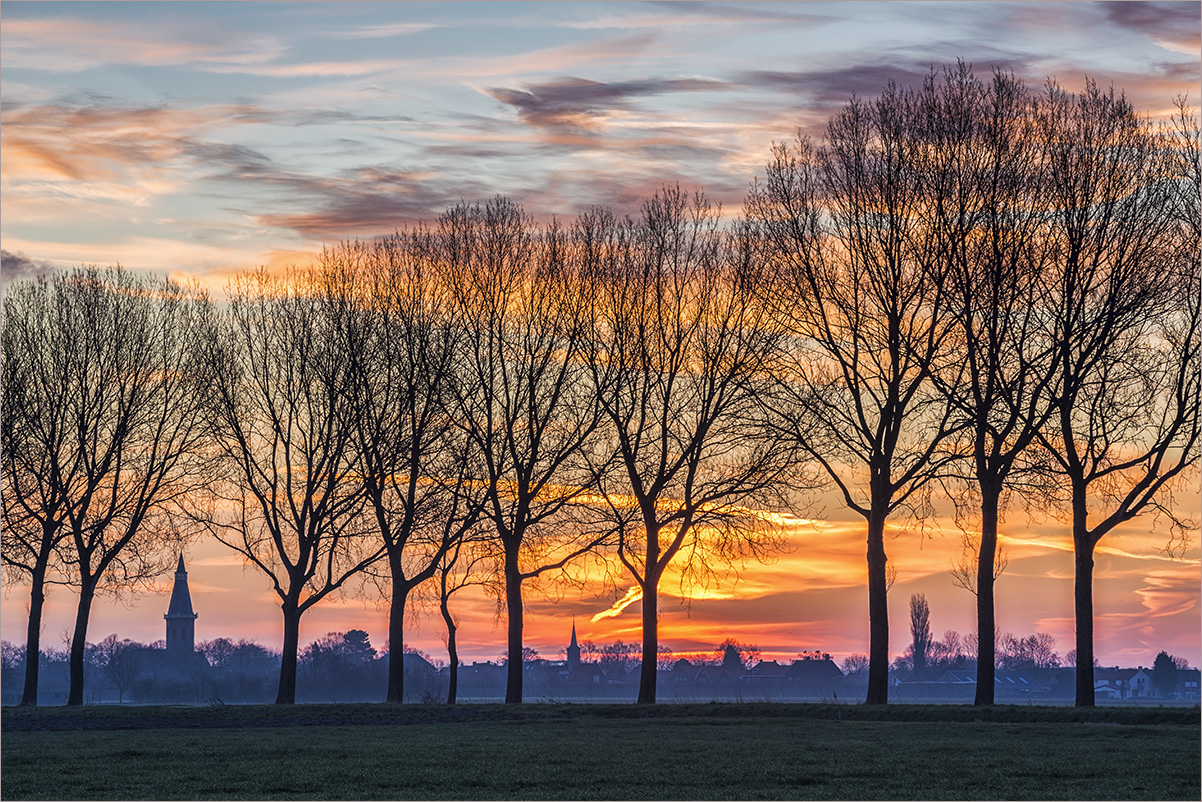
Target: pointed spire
{"x": 573, "y": 650}
{"x": 181, "y": 599}
{"x": 181, "y": 621}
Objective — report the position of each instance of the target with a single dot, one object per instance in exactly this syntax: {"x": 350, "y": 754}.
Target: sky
{"x": 202, "y": 139}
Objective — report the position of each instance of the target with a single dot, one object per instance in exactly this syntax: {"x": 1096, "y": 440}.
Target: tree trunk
{"x": 878, "y": 613}
{"x": 513, "y": 600}
{"x": 33, "y": 635}
{"x": 287, "y": 692}
{"x": 79, "y": 640}
{"x": 396, "y": 642}
{"x": 1083, "y": 603}
{"x": 986, "y": 620}
{"x": 650, "y": 639}
{"x": 452, "y": 653}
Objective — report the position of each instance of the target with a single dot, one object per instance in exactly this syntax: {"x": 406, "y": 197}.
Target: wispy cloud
{"x": 578, "y": 103}
{"x": 384, "y": 30}
{"x": 18, "y": 266}
{"x": 682, "y": 13}
{"x": 1170, "y": 592}
{"x": 558, "y": 59}
{"x": 364, "y": 202}
{"x": 65, "y": 44}
{"x": 315, "y": 69}
{"x": 1172, "y": 25}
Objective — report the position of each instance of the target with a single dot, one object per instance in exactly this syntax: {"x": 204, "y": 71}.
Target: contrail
{"x": 632, "y": 595}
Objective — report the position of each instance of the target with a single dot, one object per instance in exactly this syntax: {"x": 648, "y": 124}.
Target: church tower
{"x": 181, "y": 621}
{"x": 573, "y": 651}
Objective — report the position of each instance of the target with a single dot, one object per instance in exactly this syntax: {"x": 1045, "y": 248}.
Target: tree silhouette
{"x": 679, "y": 355}
{"x": 393, "y": 324}
{"x": 735, "y": 656}
{"x": 920, "y": 632}
{"x": 1033, "y": 651}
{"x": 106, "y": 433}
{"x": 1122, "y": 302}
{"x": 988, "y": 230}
{"x": 1164, "y": 674}
{"x": 521, "y": 396}
{"x": 121, "y": 662}
{"x": 861, "y": 285}
{"x": 461, "y": 566}
{"x": 34, "y": 431}
{"x": 285, "y": 498}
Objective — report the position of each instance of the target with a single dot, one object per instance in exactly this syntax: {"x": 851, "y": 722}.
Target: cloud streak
{"x": 577, "y": 103}
{"x": 1172, "y": 25}
{"x": 18, "y": 267}
{"x": 61, "y": 44}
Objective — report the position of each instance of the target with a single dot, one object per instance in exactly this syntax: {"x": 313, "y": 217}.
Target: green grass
{"x": 599, "y": 752}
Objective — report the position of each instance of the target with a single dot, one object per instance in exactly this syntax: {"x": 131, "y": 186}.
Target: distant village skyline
{"x": 694, "y": 627}
{"x": 346, "y": 667}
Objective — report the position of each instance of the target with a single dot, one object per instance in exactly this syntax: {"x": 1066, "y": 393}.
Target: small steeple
{"x": 573, "y": 650}
{"x": 181, "y": 621}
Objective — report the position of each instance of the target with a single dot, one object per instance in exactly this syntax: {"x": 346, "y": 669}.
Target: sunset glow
{"x": 201, "y": 140}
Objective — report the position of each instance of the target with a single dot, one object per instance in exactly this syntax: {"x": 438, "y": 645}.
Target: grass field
{"x": 600, "y": 752}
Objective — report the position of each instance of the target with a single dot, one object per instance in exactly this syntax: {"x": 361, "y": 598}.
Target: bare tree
{"x": 854, "y": 663}
{"x": 861, "y": 287}
{"x": 985, "y": 171}
{"x": 618, "y": 658}
{"x": 287, "y": 498}
{"x": 394, "y": 328}
{"x": 461, "y": 567}
{"x": 680, "y": 355}
{"x": 1033, "y": 651}
{"x": 121, "y": 662}
{"x": 112, "y": 439}
{"x": 521, "y": 394}
{"x": 736, "y": 656}
{"x": 35, "y": 431}
{"x": 1122, "y": 302}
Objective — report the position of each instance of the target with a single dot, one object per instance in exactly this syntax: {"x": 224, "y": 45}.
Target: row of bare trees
{"x": 964, "y": 287}
{"x": 995, "y": 291}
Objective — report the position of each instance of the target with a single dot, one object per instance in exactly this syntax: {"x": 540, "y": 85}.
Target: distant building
{"x": 1010, "y": 686}
{"x": 573, "y": 651}
{"x": 1187, "y": 685}
{"x": 814, "y": 676}
{"x": 181, "y": 621}
{"x": 1122, "y": 683}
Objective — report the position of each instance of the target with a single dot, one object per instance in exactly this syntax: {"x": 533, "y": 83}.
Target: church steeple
{"x": 573, "y": 651}
{"x": 181, "y": 621}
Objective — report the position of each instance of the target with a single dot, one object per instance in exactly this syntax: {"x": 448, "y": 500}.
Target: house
{"x": 766, "y": 678}
{"x": 1187, "y": 684}
{"x": 1009, "y": 685}
{"x": 481, "y": 681}
{"x": 715, "y": 680}
{"x": 1127, "y": 683}
{"x": 815, "y": 677}
{"x": 586, "y": 677}
{"x": 1141, "y": 684}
